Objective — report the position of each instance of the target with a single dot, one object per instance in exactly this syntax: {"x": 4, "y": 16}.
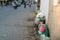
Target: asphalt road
{"x": 13, "y": 22}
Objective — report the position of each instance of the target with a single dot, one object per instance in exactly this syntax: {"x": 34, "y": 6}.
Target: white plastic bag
{"x": 43, "y": 37}
{"x": 38, "y": 15}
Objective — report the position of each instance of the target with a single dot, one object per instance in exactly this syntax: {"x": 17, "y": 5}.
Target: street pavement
{"x": 13, "y": 22}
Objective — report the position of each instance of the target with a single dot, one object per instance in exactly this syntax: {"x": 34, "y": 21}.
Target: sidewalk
{"x": 30, "y": 35}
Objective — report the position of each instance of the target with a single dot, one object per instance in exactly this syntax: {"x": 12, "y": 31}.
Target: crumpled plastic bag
{"x": 47, "y": 33}
{"x": 38, "y": 17}
{"x": 40, "y": 13}
{"x": 42, "y": 28}
{"x": 43, "y": 37}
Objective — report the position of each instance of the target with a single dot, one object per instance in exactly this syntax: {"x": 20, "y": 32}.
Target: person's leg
{"x": 24, "y": 5}
{"x": 14, "y": 7}
{"x": 1, "y": 3}
{"x": 30, "y": 5}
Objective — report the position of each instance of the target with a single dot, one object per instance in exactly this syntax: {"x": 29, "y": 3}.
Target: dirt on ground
{"x": 32, "y": 35}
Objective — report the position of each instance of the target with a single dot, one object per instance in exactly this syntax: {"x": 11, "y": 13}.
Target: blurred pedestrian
{"x": 14, "y": 5}
{"x": 24, "y": 4}
{"x": 2, "y": 2}
{"x": 30, "y": 4}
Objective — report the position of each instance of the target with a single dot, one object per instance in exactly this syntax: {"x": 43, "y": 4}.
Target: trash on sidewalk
{"x": 44, "y": 32}
{"x": 40, "y": 24}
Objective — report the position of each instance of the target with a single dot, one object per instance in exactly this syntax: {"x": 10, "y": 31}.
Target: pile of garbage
{"x": 41, "y": 27}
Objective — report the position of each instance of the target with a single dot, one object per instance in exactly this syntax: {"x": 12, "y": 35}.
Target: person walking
{"x": 24, "y": 4}
{"x": 30, "y": 4}
{"x": 14, "y": 5}
{"x": 2, "y": 4}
